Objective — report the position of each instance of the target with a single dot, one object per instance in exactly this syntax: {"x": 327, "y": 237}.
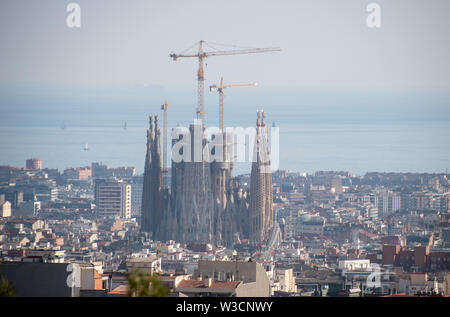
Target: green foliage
{"x": 145, "y": 285}
{"x": 6, "y": 288}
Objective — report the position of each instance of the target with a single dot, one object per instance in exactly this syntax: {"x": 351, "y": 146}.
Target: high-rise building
{"x": 112, "y": 198}
{"x": 292, "y": 216}
{"x": 34, "y": 164}
{"x": 136, "y": 195}
{"x": 386, "y": 202}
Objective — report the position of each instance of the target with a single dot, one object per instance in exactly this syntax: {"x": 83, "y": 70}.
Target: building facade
{"x": 203, "y": 202}
{"x": 33, "y": 164}
{"x": 113, "y": 198}
{"x": 137, "y": 183}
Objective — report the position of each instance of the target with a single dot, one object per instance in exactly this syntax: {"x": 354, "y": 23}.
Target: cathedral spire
{"x": 151, "y": 194}
{"x": 156, "y": 123}
{"x": 157, "y": 142}
{"x": 150, "y": 119}
{"x": 260, "y": 209}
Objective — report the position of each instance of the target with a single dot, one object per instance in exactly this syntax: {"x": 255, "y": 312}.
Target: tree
{"x": 6, "y": 288}
{"x": 145, "y": 285}
{"x": 334, "y": 290}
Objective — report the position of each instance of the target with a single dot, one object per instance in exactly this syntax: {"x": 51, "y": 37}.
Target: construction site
{"x": 199, "y": 200}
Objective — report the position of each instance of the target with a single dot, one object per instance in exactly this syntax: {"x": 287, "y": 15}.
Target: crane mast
{"x": 201, "y": 80}
{"x": 201, "y": 55}
{"x": 221, "y": 105}
{"x": 164, "y": 107}
{"x": 220, "y": 89}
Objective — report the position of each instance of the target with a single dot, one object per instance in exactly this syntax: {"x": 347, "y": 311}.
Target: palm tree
{"x": 145, "y": 285}
{"x": 6, "y": 288}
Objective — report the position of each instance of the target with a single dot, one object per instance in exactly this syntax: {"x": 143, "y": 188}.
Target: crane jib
{"x": 201, "y": 55}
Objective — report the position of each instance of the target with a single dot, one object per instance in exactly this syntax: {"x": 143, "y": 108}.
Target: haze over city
{"x": 373, "y": 95}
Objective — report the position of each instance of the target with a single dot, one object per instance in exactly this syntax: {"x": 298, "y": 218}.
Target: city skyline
{"x": 324, "y": 175}
{"x": 345, "y": 96}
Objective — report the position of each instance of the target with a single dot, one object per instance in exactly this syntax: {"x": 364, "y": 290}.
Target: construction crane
{"x": 220, "y": 89}
{"x": 164, "y": 107}
{"x": 201, "y": 55}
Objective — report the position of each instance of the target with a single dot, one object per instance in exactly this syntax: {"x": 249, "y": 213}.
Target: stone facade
{"x": 203, "y": 203}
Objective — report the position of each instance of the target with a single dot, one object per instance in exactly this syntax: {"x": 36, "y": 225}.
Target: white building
{"x": 386, "y": 202}
{"x": 5, "y": 209}
{"x": 354, "y": 265}
{"x": 113, "y": 198}
{"x": 286, "y": 280}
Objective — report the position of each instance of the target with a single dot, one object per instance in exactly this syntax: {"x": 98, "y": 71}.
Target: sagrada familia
{"x": 204, "y": 202}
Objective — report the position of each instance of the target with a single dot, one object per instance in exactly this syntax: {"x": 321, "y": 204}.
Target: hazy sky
{"x": 325, "y": 43}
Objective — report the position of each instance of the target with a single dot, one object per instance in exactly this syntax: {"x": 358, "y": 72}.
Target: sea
{"x": 342, "y": 130}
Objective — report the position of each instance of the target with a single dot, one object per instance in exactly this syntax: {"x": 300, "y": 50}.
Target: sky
{"x": 325, "y": 44}
{"x": 344, "y": 95}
